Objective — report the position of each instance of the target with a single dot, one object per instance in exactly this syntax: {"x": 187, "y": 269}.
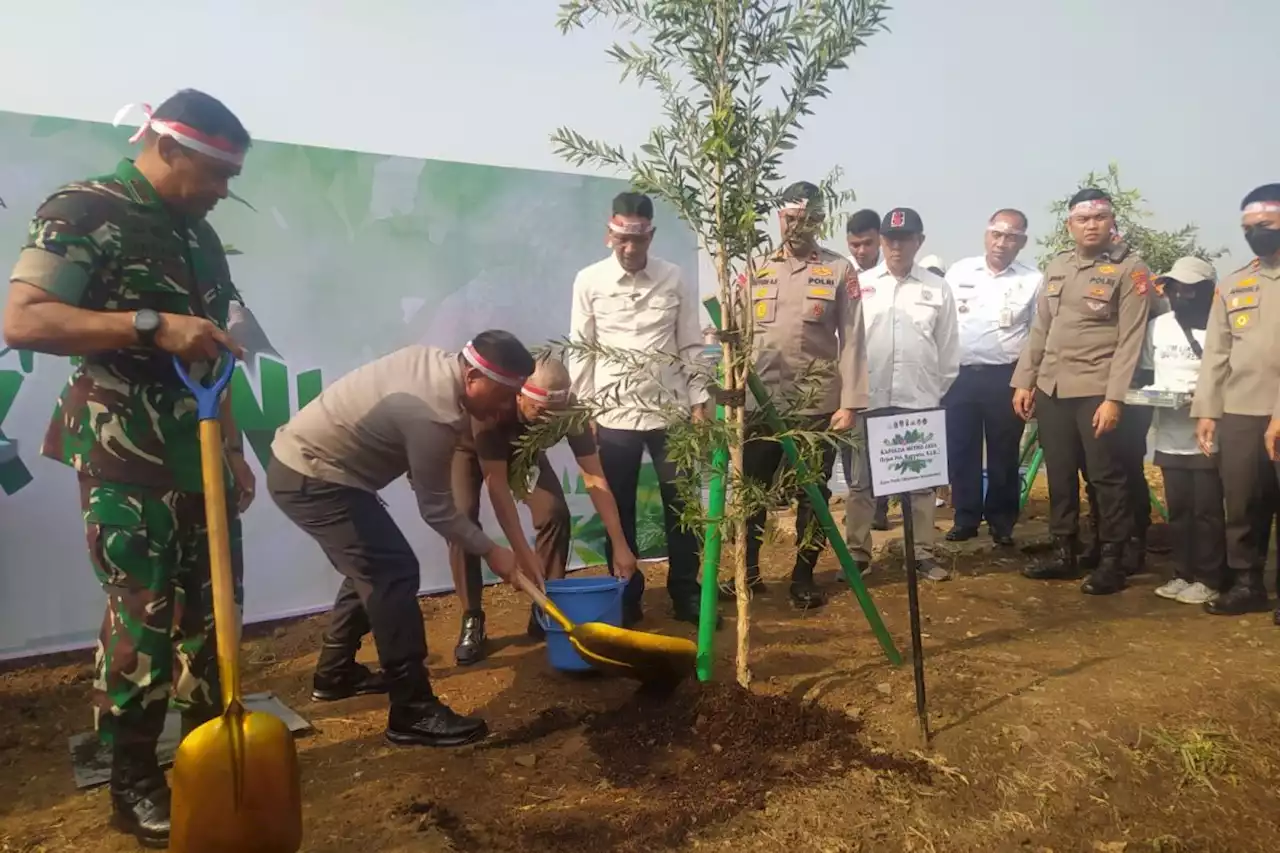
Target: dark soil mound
{"x": 697, "y": 757}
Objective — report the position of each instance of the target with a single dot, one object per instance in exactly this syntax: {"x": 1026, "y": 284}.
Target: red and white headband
{"x": 1262, "y": 207}
{"x": 184, "y": 135}
{"x": 1093, "y": 205}
{"x": 488, "y": 368}
{"x": 1006, "y": 228}
{"x": 542, "y": 395}
{"x": 621, "y": 228}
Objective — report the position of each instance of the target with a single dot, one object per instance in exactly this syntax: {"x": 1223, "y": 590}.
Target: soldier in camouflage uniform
{"x": 123, "y": 271}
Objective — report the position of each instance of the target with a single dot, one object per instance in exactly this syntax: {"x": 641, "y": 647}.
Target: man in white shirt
{"x": 913, "y": 356}
{"x": 862, "y": 233}
{"x": 1192, "y": 485}
{"x": 995, "y": 301}
{"x": 634, "y": 301}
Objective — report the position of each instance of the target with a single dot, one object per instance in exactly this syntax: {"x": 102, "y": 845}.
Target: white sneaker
{"x": 1196, "y": 593}
{"x": 1173, "y": 589}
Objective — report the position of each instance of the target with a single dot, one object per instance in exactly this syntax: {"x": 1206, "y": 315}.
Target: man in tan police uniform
{"x": 1085, "y": 342}
{"x": 807, "y": 310}
{"x": 1235, "y": 398}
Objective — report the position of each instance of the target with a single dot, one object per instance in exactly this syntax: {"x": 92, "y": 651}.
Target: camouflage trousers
{"x": 149, "y": 551}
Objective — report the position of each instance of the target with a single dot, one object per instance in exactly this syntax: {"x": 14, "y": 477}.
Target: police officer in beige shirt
{"x": 1236, "y": 402}
{"x": 807, "y": 311}
{"x": 1073, "y": 374}
{"x": 402, "y": 414}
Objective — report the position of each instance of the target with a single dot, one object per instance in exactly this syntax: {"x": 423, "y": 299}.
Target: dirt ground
{"x": 1062, "y": 723}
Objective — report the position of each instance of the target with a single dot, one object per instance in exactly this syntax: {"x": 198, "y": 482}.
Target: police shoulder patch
{"x": 1141, "y": 279}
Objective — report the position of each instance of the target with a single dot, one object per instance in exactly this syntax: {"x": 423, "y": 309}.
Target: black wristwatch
{"x": 146, "y": 323}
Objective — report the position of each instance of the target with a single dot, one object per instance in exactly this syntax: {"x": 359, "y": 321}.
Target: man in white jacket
{"x": 913, "y": 356}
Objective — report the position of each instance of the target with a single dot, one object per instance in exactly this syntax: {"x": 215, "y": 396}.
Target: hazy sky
{"x": 966, "y": 106}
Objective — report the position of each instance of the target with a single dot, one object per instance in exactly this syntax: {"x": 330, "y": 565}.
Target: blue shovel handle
{"x": 208, "y": 396}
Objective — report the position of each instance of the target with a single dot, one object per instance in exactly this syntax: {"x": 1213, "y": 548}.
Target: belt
{"x": 989, "y": 366}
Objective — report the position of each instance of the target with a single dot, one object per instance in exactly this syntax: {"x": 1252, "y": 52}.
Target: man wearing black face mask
{"x": 1192, "y": 486}
{"x": 1236, "y": 398}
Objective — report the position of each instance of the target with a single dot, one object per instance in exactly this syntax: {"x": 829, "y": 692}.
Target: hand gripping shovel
{"x": 650, "y": 658}
{"x": 236, "y": 784}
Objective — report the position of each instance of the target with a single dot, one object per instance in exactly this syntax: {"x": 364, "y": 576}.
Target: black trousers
{"x": 1066, "y": 436}
{"x": 979, "y": 406}
{"x": 1135, "y": 425}
{"x": 621, "y": 454}
{"x": 379, "y": 590}
{"x": 1250, "y": 488}
{"x": 1197, "y": 522}
{"x": 761, "y": 459}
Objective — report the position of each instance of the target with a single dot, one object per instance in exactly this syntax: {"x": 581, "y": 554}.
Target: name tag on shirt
{"x": 1006, "y": 318}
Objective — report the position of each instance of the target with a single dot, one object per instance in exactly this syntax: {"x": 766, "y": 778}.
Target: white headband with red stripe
{"x": 184, "y": 135}
{"x": 542, "y": 395}
{"x": 1262, "y": 207}
{"x": 497, "y": 374}
{"x": 1092, "y": 205}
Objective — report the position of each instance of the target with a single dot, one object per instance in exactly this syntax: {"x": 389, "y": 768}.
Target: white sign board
{"x": 908, "y": 451}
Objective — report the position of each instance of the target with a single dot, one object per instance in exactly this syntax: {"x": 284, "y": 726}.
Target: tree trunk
{"x": 735, "y": 361}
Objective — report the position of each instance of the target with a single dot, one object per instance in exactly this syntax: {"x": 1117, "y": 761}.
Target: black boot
{"x": 338, "y": 676}
{"x": 139, "y": 795}
{"x": 805, "y": 594}
{"x": 1135, "y": 555}
{"x": 471, "y": 640}
{"x": 418, "y": 718}
{"x": 1109, "y": 577}
{"x": 195, "y": 717}
{"x": 1246, "y": 595}
{"x": 1092, "y": 557}
{"x": 1062, "y": 565}
{"x": 689, "y": 609}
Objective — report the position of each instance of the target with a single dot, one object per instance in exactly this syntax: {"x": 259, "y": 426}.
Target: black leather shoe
{"x": 729, "y": 590}
{"x": 1109, "y": 577}
{"x": 1004, "y": 540}
{"x": 354, "y": 679}
{"x": 962, "y": 534}
{"x": 691, "y": 612}
{"x": 880, "y": 521}
{"x": 471, "y": 640}
{"x": 805, "y": 595}
{"x": 418, "y": 718}
{"x": 139, "y": 796}
{"x": 632, "y": 613}
{"x": 1061, "y": 566}
{"x": 1276, "y": 618}
{"x": 1246, "y": 595}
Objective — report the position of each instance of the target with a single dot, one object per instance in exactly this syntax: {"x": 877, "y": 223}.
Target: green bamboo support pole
{"x": 820, "y": 509}
{"x": 711, "y": 559}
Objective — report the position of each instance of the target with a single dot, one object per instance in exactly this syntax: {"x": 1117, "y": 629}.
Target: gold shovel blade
{"x": 236, "y": 786}
{"x": 635, "y": 654}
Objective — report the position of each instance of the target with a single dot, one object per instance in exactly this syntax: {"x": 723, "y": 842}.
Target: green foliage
{"x": 736, "y": 79}
{"x": 1158, "y": 248}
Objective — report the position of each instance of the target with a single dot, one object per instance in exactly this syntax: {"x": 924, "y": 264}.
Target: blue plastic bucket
{"x": 581, "y": 600}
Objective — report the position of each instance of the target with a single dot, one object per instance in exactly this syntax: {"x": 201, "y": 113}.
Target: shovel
{"x": 236, "y": 784}
{"x": 649, "y": 658}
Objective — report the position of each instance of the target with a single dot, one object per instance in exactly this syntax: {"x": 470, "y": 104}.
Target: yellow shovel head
{"x": 236, "y": 787}
{"x": 634, "y": 654}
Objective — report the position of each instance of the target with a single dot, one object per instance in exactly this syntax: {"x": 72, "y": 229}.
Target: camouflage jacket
{"x": 109, "y": 244}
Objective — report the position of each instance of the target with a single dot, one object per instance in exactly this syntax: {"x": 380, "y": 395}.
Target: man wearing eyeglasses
{"x": 995, "y": 302}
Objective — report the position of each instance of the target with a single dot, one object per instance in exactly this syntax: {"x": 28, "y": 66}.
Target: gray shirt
{"x": 400, "y": 414}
